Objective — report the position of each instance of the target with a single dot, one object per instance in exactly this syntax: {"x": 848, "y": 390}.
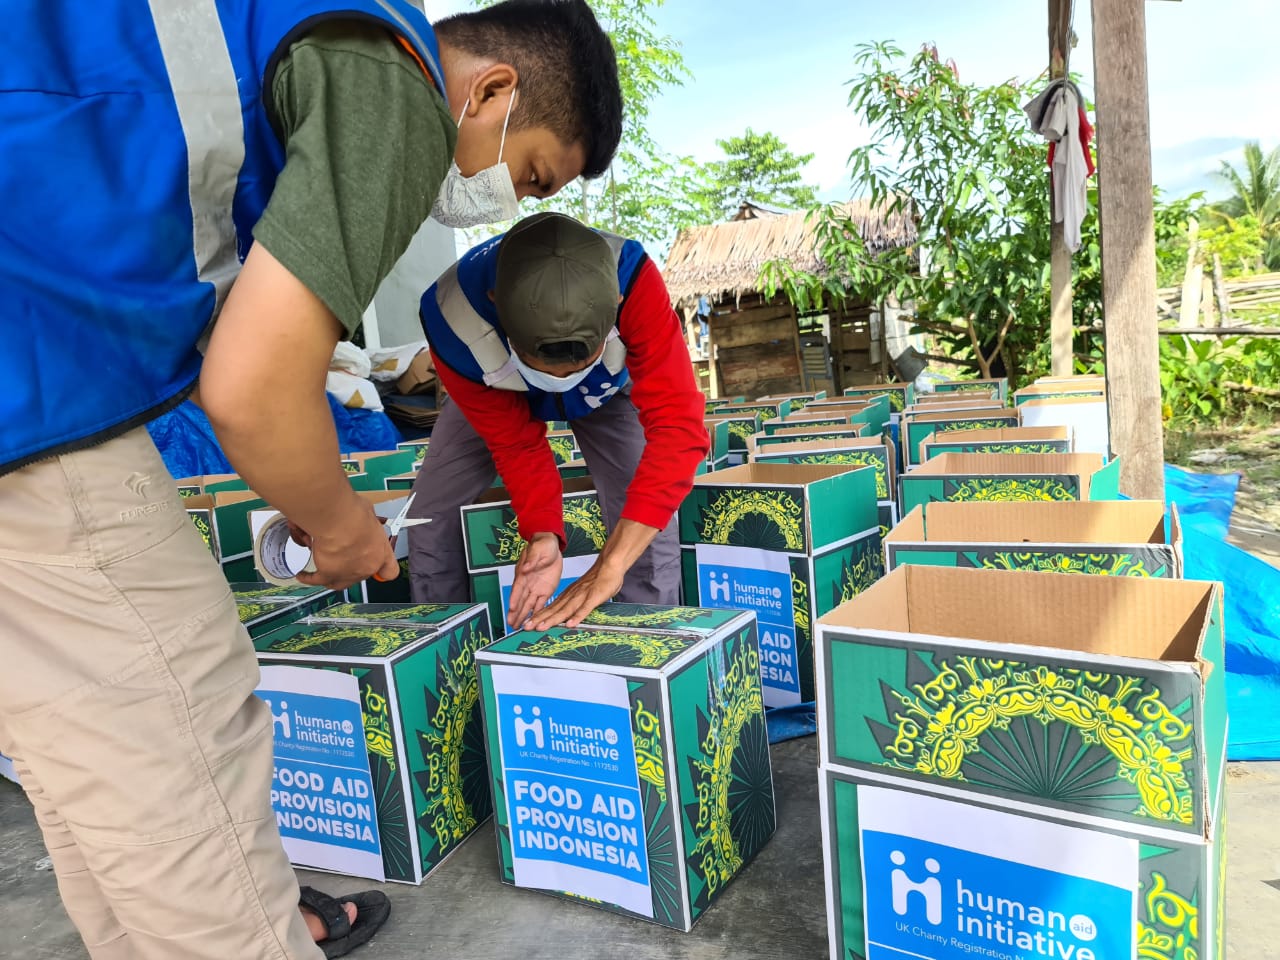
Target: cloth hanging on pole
{"x": 1058, "y": 115}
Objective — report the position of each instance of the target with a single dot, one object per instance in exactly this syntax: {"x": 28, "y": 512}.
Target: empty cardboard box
{"x": 1009, "y": 477}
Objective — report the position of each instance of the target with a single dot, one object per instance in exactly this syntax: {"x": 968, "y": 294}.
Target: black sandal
{"x": 341, "y": 936}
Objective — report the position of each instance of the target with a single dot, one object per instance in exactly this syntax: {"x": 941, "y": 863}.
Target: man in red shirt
{"x": 556, "y": 321}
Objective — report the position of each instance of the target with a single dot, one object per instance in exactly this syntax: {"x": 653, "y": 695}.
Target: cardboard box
{"x": 1001, "y": 385}
{"x": 1085, "y": 416}
{"x": 422, "y": 731}
{"x": 718, "y": 449}
{"x": 1049, "y": 388}
{"x": 1096, "y": 696}
{"x": 1001, "y": 440}
{"x": 420, "y": 377}
{"x": 265, "y": 607}
{"x": 1126, "y": 538}
{"x": 794, "y": 434}
{"x": 919, "y": 427}
{"x": 877, "y": 410}
{"x": 901, "y": 395}
{"x": 812, "y": 419}
{"x": 1056, "y": 885}
{"x": 927, "y": 399}
{"x": 977, "y": 714}
{"x": 788, "y": 542}
{"x": 742, "y": 426}
{"x": 767, "y": 410}
{"x": 223, "y": 522}
{"x": 629, "y": 758}
{"x": 491, "y": 539}
{"x": 564, "y": 446}
{"x": 798, "y": 400}
{"x": 719, "y": 402}
{"x": 952, "y": 401}
{"x": 574, "y": 470}
{"x": 417, "y": 447}
{"x": 1009, "y": 477}
{"x": 873, "y": 452}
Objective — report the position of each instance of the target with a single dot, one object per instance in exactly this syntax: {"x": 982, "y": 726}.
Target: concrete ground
{"x": 773, "y": 911}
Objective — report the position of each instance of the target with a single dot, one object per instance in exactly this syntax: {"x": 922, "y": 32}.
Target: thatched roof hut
{"x": 723, "y": 260}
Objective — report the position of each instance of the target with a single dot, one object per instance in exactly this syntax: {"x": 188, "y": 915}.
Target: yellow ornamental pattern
{"x": 1011, "y": 489}
{"x": 648, "y": 649}
{"x": 358, "y": 641}
{"x": 648, "y": 743}
{"x": 800, "y": 605}
{"x": 1098, "y": 564}
{"x": 377, "y": 727}
{"x": 1171, "y": 928}
{"x": 737, "y": 701}
{"x": 451, "y": 816}
{"x": 944, "y": 719}
{"x": 354, "y": 611}
{"x": 856, "y": 458}
{"x": 722, "y": 515}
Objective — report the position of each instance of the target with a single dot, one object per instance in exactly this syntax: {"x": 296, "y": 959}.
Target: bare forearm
{"x": 625, "y": 545}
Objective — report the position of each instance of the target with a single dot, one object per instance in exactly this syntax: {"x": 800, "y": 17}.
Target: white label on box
{"x": 1087, "y": 421}
{"x": 321, "y": 790}
{"x": 572, "y": 569}
{"x": 758, "y": 581}
{"x": 950, "y": 881}
{"x": 571, "y": 784}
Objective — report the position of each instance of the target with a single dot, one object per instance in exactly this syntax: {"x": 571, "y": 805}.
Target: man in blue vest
{"x": 555, "y": 321}
{"x": 262, "y": 164}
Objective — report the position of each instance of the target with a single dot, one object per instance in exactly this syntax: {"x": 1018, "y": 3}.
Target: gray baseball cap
{"x": 557, "y": 283}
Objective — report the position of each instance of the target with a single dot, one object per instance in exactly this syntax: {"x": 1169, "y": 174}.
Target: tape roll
{"x": 277, "y": 557}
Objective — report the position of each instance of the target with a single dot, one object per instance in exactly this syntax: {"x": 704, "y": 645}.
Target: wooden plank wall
{"x": 754, "y": 343}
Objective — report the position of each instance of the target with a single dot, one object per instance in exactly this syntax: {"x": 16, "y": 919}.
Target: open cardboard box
{"x": 222, "y": 520}
{"x": 852, "y": 451}
{"x": 1086, "y": 416}
{"x": 901, "y": 395}
{"x": 1048, "y": 389}
{"x": 920, "y": 427}
{"x": 718, "y": 444}
{"x": 798, "y": 400}
{"x": 1118, "y": 538}
{"x": 999, "y": 384}
{"x": 932, "y": 672}
{"x": 792, "y": 434}
{"x": 1010, "y": 477}
{"x": 787, "y": 542}
{"x": 877, "y": 411}
{"x": 1000, "y": 440}
{"x": 742, "y": 427}
{"x": 812, "y": 418}
{"x": 928, "y": 399}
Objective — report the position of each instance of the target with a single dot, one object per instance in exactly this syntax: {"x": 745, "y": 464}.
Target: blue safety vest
{"x": 464, "y": 330}
{"x": 138, "y": 154}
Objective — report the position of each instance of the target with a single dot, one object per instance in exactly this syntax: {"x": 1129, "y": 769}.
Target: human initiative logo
{"x": 526, "y": 727}
{"x": 929, "y": 889}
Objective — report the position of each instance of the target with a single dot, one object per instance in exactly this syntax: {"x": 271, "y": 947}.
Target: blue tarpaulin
{"x": 1252, "y": 609}
{"x": 189, "y": 448}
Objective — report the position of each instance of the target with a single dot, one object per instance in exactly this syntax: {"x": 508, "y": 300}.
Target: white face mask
{"x": 545, "y": 381}
{"x": 488, "y": 197}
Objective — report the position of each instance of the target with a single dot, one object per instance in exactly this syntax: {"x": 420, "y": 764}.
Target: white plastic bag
{"x": 348, "y": 358}
{"x": 355, "y": 392}
{"x": 391, "y": 363}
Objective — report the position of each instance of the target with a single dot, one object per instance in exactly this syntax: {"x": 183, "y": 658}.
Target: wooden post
{"x": 795, "y": 333}
{"x": 1127, "y": 220}
{"x": 1189, "y": 312}
{"x": 1061, "y": 323}
{"x": 713, "y": 367}
{"x": 1220, "y": 291}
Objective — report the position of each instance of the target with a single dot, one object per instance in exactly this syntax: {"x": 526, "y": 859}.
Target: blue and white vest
{"x": 137, "y": 156}
{"x": 463, "y": 328}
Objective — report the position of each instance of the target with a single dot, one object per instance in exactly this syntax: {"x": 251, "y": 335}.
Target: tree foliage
{"x": 759, "y": 168}
{"x": 1254, "y": 200}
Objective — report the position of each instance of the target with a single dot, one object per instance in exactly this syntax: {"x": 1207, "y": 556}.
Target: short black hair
{"x": 564, "y": 351}
{"x": 567, "y": 66}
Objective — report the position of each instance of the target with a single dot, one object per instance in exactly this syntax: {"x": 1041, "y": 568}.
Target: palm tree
{"x": 1255, "y": 193}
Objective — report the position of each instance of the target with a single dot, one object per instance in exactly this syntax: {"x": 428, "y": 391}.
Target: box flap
{"x": 943, "y": 416}
{"x": 989, "y": 464}
{"x": 775, "y": 474}
{"x": 1148, "y": 619}
{"x": 1100, "y": 522}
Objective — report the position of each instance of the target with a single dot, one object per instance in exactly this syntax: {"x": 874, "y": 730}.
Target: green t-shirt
{"x": 368, "y": 141}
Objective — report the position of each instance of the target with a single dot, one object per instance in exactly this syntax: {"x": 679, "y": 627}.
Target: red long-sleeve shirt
{"x": 663, "y": 390}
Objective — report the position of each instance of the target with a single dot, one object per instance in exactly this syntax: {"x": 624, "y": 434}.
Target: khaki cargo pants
{"x": 126, "y": 702}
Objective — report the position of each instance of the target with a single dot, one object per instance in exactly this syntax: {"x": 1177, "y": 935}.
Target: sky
{"x": 782, "y": 67}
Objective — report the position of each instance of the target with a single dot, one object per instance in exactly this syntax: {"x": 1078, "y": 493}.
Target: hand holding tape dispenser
{"x": 279, "y": 558}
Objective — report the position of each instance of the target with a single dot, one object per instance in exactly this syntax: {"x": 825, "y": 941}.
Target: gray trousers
{"x": 458, "y": 468}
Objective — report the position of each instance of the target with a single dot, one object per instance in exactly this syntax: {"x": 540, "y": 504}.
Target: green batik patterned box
{"x": 852, "y": 451}
{"x": 797, "y": 434}
{"x": 1000, "y": 384}
{"x": 564, "y": 446}
{"x": 742, "y": 427}
{"x": 491, "y": 538}
{"x": 814, "y": 419}
{"x": 1012, "y": 477}
{"x": 901, "y": 395}
{"x": 1123, "y": 538}
{"x": 919, "y": 427}
{"x": 798, "y": 400}
{"x": 265, "y": 607}
{"x": 420, "y": 700}
{"x": 713, "y": 405}
{"x": 1001, "y": 440}
{"x": 877, "y": 411}
{"x": 629, "y": 758}
{"x": 223, "y": 522}
{"x": 787, "y": 542}
{"x": 417, "y": 447}
{"x": 1096, "y": 697}
{"x": 921, "y": 872}
{"x": 718, "y": 449}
